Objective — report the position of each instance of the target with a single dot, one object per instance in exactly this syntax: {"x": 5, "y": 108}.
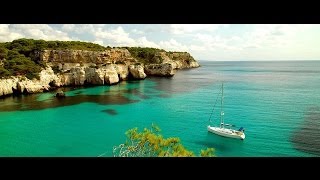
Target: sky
{"x": 216, "y": 42}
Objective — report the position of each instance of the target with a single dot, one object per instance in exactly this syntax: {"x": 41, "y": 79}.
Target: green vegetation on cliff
{"x": 157, "y": 56}
{"x": 145, "y": 55}
{"x": 17, "y": 60}
{"x": 25, "y": 46}
{"x": 150, "y": 143}
{"x": 21, "y": 56}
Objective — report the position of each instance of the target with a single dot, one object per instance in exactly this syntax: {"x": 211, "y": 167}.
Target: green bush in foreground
{"x": 149, "y": 143}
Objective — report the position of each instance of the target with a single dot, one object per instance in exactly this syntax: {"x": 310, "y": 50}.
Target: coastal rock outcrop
{"x": 21, "y": 84}
{"x": 7, "y": 86}
{"x": 137, "y": 71}
{"x": 76, "y": 76}
{"x": 94, "y": 76}
{"x": 110, "y": 74}
{"x": 179, "y": 60}
{"x": 29, "y": 86}
{"x": 122, "y": 71}
{"x": 159, "y": 69}
{"x": 60, "y": 94}
{"x": 184, "y": 64}
{"x": 80, "y": 76}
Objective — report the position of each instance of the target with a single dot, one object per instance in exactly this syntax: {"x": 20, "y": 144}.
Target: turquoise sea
{"x": 278, "y": 104}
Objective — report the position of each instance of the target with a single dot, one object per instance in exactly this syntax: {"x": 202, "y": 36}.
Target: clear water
{"x": 278, "y": 104}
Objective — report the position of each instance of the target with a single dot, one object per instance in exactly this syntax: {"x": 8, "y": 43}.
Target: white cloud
{"x": 197, "y": 48}
{"x": 4, "y": 29}
{"x": 29, "y": 26}
{"x": 273, "y": 35}
{"x": 216, "y": 42}
{"x": 143, "y": 42}
{"x": 36, "y": 31}
{"x": 76, "y": 38}
{"x": 99, "y": 42}
{"x": 190, "y": 28}
{"x": 135, "y": 31}
{"x": 82, "y": 28}
{"x": 209, "y": 40}
{"x": 173, "y": 45}
{"x": 235, "y": 39}
{"x": 68, "y": 27}
{"x": 6, "y": 35}
{"x": 259, "y": 37}
{"x": 118, "y": 36}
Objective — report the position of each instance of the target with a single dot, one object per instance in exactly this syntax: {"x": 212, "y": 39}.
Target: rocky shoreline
{"x": 79, "y": 67}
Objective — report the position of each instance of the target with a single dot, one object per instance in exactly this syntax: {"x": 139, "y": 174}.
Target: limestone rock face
{"x": 47, "y": 76}
{"x": 94, "y": 76}
{"x": 137, "y": 71}
{"x": 83, "y": 56}
{"x": 193, "y": 64}
{"x": 110, "y": 74}
{"x": 122, "y": 71}
{"x": 159, "y": 69}
{"x": 77, "y": 76}
{"x": 7, "y": 86}
{"x": 23, "y": 85}
{"x": 180, "y": 60}
{"x": 29, "y": 86}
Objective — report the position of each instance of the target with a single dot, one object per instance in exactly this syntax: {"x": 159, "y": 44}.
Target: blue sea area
{"x": 277, "y": 102}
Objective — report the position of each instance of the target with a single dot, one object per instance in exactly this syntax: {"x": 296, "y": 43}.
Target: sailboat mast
{"x": 222, "y": 113}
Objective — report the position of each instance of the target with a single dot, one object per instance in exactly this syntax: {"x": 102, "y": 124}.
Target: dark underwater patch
{"x": 144, "y": 97}
{"x": 110, "y": 112}
{"x": 164, "y": 95}
{"x": 79, "y": 92}
{"x": 134, "y": 92}
{"x": 307, "y": 138}
{"x": 29, "y": 102}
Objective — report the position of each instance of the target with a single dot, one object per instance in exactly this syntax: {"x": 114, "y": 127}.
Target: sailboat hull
{"x": 230, "y": 133}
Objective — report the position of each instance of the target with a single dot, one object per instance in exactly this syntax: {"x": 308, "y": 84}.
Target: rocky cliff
{"x": 21, "y": 84}
{"x": 166, "y": 63}
{"x": 115, "y": 55}
{"x": 82, "y": 67}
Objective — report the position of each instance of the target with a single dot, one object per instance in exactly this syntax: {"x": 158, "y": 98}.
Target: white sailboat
{"x": 223, "y": 129}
